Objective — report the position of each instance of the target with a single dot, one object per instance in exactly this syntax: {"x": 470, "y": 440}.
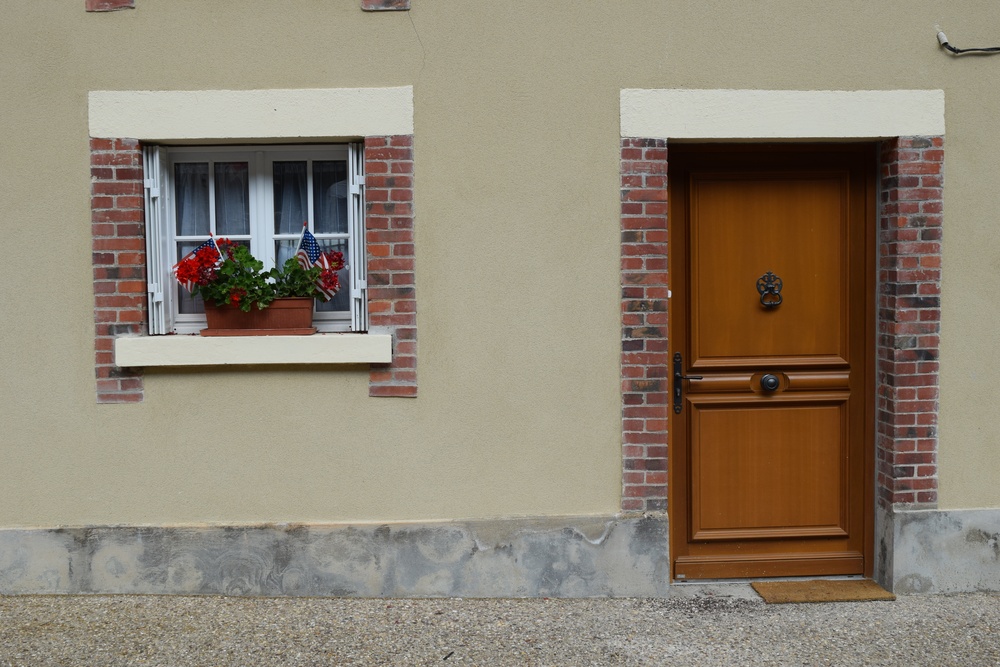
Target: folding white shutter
{"x": 356, "y": 248}
{"x": 158, "y": 278}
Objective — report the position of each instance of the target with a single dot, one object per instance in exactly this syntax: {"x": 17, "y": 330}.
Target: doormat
{"x": 821, "y": 590}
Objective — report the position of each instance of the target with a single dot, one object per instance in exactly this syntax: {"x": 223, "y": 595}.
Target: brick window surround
{"x": 119, "y": 261}
{"x": 908, "y": 322}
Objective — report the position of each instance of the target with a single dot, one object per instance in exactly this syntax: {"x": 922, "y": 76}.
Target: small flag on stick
{"x": 310, "y": 255}
{"x": 309, "y": 251}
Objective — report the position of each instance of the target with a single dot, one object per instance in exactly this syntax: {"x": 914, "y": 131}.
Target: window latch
{"x": 357, "y": 185}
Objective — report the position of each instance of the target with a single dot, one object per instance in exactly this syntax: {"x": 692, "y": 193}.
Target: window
{"x": 258, "y": 196}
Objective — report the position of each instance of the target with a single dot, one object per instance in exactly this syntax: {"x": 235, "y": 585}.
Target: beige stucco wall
{"x": 516, "y": 122}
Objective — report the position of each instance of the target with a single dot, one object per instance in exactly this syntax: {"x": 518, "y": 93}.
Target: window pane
{"x": 191, "y": 199}
{"x": 187, "y": 304}
{"x": 291, "y": 199}
{"x": 330, "y": 196}
{"x": 283, "y": 250}
{"x": 232, "y": 198}
{"x": 341, "y": 300}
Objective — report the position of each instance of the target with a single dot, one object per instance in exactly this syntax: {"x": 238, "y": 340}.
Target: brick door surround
{"x": 910, "y": 181}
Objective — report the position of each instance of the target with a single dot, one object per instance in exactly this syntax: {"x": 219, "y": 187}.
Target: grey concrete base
{"x": 938, "y": 551}
{"x": 550, "y": 557}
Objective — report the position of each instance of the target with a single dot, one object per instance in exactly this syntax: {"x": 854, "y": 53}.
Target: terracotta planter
{"x": 284, "y": 317}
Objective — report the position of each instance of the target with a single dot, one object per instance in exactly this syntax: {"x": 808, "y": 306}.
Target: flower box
{"x": 241, "y": 299}
{"x": 290, "y": 316}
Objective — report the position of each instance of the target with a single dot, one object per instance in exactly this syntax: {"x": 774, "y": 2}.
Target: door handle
{"x": 679, "y": 378}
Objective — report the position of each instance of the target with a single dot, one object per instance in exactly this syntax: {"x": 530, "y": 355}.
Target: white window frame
{"x": 161, "y": 241}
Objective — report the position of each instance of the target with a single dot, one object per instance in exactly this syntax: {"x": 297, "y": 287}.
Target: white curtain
{"x": 291, "y": 198}
{"x": 330, "y": 195}
{"x": 191, "y": 198}
{"x": 232, "y": 198}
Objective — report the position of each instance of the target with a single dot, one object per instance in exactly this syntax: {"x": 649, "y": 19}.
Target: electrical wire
{"x": 943, "y": 41}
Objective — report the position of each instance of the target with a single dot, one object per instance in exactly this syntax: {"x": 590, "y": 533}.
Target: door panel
{"x": 772, "y": 479}
{"x": 742, "y": 227}
{"x": 768, "y": 471}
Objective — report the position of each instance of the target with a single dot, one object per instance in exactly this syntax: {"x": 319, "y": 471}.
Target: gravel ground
{"x": 706, "y": 629}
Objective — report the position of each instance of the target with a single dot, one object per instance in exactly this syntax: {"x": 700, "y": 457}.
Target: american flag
{"x": 190, "y": 284}
{"x": 310, "y": 255}
{"x": 309, "y": 251}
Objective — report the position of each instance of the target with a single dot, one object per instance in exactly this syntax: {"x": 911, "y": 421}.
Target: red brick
{"x": 637, "y": 491}
{"x": 131, "y": 316}
{"x": 113, "y": 158}
{"x": 115, "y": 243}
{"x": 403, "y": 250}
{"x": 391, "y": 264}
{"x": 644, "y": 438}
{"x": 633, "y": 478}
{"x": 389, "y": 153}
{"x": 119, "y": 398}
{"x": 117, "y": 188}
{"x": 388, "y": 236}
{"x": 644, "y": 167}
{"x": 392, "y": 208}
{"x": 401, "y": 167}
{"x": 398, "y": 391}
{"x": 645, "y": 195}
{"x": 645, "y": 222}
{"x": 132, "y": 286}
{"x": 108, "y": 6}
{"x": 385, "y": 5}
{"x": 132, "y": 259}
{"x": 119, "y": 301}
{"x": 382, "y": 320}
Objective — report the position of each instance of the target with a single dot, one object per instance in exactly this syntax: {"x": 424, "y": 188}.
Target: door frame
{"x": 910, "y": 216}
{"x": 678, "y": 464}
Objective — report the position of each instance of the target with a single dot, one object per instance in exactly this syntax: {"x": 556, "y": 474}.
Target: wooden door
{"x": 772, "y": 278}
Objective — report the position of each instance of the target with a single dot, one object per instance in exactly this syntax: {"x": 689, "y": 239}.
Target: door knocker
{"x": 769, "y": 287}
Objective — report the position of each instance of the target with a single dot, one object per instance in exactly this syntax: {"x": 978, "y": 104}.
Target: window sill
{"x": 179, "y": 350}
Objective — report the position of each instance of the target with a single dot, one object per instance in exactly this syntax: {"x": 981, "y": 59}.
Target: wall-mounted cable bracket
{"x": 943, "y": 41}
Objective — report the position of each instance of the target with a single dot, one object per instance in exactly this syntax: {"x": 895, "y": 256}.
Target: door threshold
{"x": 746, "y": 581}
{"x": 737, "y": 589}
